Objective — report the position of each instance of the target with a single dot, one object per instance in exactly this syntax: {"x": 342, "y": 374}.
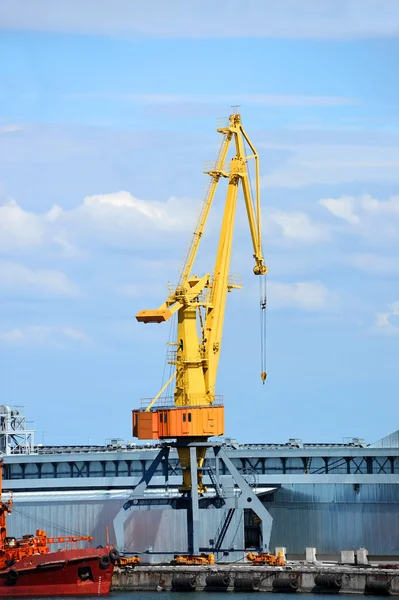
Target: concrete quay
{"x": 292, "y": 578}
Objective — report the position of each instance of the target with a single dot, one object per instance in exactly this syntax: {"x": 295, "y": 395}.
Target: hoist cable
{"x": 265, "y": 323}
{"x": 263, "y": 312}
{"x": 262, "y": 298}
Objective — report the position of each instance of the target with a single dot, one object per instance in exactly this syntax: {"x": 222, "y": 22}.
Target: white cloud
{"x": 323, "y": 163}
{"x": 122, "y": 219}
{"x": 67, "y": 249}
{"x": 114, "y": 217}
{"x": 299, "y": 227}
{"x": 121, "y": 209}
{"x": 10, "y": 128}
{"x": 14, "y": 276}
{"x": 306, "y": 295}
{"x": 374, "y": 263}
{"x": 195, "y": 100}
{"x": 261, "y": 18}
{"x": 19, "y": 228}
{"x": 73, "y": 334}
{"x": 375, "y": 219}
{"x": 22, "y": 230}
{"x": 343, "y": 208}
{"x": 383, "y": 323}
{"x": 374, "y": 206}
{"x": 119, "y": 218}
{"x": 43, "y": 335}
{"x": 13, "y": 336}
{"x": 351, "y": 208}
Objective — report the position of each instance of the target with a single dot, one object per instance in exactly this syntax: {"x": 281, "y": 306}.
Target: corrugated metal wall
{"x": 336, "y": 517}
{"x": 162, "y": 529}
{"x": 65, "y": 517}
{"x": 165, "y": 530}
{"x": 331, "y": 517}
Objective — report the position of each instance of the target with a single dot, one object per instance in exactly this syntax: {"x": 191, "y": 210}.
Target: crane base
{"x": 225, "y": 500}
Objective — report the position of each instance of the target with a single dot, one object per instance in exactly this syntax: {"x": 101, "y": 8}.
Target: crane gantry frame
{"x": 199, "y": 302}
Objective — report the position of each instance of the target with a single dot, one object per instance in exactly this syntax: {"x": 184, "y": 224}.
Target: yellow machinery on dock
{"x": 185, "y": 559}
{"x": 264, "y": 558}
{"x": 131, "y": 561}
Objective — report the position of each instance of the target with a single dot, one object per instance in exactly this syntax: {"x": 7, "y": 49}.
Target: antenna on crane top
{"x": 236, "y": 107}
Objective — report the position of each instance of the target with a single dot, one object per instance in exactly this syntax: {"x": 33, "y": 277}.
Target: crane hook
{"x": 263, "y": 376}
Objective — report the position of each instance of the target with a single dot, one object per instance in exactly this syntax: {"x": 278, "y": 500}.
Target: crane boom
{"x": 206, "y": 206}
{"x": 200, "y": 306}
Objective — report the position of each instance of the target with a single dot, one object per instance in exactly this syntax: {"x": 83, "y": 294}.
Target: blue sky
{"x": 107, "y": 114}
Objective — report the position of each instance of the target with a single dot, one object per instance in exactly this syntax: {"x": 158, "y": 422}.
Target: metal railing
{"x": 171, "y": 356}
{"x": 235, "y": 280}
{"x": 222, "y": 122}
{"x": 168, "y": 402}
{"x": 213, "y": 165}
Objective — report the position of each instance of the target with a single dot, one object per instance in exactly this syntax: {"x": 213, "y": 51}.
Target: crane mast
{"x": 199, "y": 301}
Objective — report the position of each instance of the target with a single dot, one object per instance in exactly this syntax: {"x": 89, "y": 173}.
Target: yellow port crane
{"x": 199, "y": 302}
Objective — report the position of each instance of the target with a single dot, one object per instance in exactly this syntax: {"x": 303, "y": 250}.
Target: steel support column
{"x": 193, "y": 508}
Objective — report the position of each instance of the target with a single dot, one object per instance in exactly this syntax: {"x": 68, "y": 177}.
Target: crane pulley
{"x": 199, "y": 303}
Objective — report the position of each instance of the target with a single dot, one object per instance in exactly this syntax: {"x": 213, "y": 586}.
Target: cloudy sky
{"x": 108, "y": 111}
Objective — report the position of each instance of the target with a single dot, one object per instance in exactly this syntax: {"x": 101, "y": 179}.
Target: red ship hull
{"x": 80, "y": 572}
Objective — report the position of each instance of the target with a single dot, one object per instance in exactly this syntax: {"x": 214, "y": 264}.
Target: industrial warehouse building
{"x": 328, "y": 496}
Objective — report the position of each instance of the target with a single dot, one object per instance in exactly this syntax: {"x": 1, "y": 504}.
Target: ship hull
{"x": 80, "y": 572}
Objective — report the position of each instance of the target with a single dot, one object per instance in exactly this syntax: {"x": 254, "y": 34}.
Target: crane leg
{"x": 193, "y": 523}
{"x": 185, "y": 459}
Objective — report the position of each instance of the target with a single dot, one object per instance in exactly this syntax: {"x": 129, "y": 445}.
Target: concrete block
{"x": 361, "y": 556}
{"x": 347, "y": 557}
{"x": 310, "y": 555}
{"x": 280, "y": 549}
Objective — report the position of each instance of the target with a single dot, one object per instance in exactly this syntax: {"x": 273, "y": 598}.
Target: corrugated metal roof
{"x": 390, "y": 441}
